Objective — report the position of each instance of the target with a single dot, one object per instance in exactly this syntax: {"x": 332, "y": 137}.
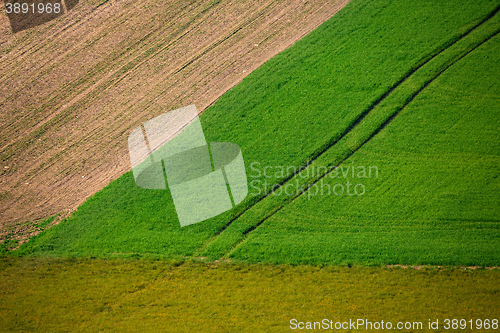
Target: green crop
{"x": 407, "y": 89}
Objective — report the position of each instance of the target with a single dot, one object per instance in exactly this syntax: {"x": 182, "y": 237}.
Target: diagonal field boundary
{"x": 412, "y": 74}
{"x": 122, "y": 86}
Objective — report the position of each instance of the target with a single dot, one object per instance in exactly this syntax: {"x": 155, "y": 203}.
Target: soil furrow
{"x": 67, "y": 110}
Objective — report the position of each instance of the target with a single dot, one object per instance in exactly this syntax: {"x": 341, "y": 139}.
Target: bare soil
{"x": 72, "y": 89}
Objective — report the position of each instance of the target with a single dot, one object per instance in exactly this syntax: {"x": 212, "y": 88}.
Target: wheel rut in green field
{"x": 369, "y": 138}
{"x": 370, "y": 122}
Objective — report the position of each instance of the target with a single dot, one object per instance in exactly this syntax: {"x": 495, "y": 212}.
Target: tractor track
{"x": 350, "y": 128}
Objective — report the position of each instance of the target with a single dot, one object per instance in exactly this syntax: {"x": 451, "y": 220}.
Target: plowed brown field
{"x": 72, "y": 89}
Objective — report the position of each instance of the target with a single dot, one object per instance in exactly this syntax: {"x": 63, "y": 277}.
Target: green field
{"x": 436, "y": 197}
{"x": 411, "y": 91}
